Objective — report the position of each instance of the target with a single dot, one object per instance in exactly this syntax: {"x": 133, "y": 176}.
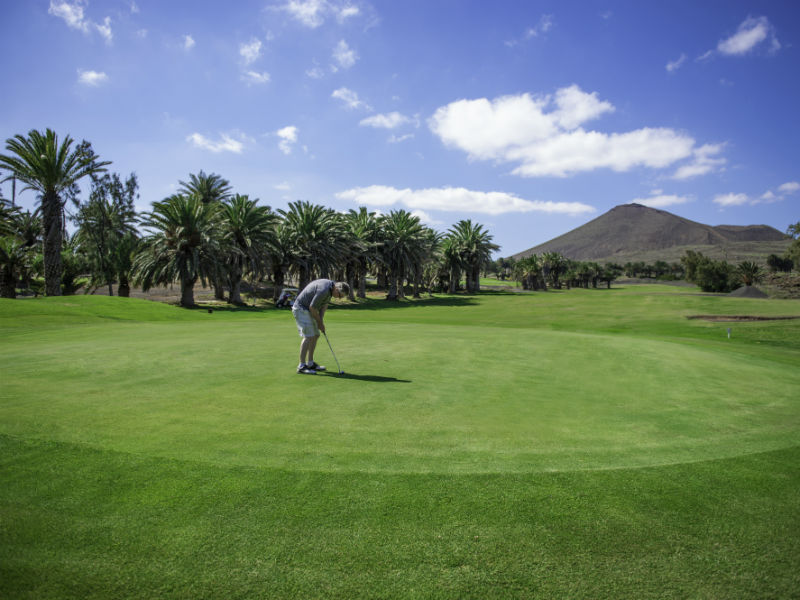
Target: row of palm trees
{"x": 553, "y": 270}
{"x": 207, "y": 233}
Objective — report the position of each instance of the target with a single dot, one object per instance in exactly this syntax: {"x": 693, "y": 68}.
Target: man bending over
{"x": 309, "y": 313}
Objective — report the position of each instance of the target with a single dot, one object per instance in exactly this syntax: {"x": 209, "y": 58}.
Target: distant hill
{"x": 632, "y": 232}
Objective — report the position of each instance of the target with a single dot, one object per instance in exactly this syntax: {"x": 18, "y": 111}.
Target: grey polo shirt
{"x": 317, "y": 294}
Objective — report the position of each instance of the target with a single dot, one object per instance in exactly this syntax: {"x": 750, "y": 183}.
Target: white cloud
{"x": 704, "y": 161}
{"x": 134, "y": 8}
{"x": 72, "y": 13}
{"x": 284, "y": 186}
{"x": 750, "y": 34}
{"x": 395, "y": 139}
{"x": 346, "y": 12}
{"x": 312, "y": 13}
{"x": 92, "y": 78}
{"x": 288, "y": 137}
{"x": 789, "y": 188}
{"x": 105, "y": 30}
{"x": 458, "y": 200}
{"x": 309, "y": 12}
{"x": 251, "y": 51}
{"x": 256, "y": 78}
{"x": 543, "y": 26}
{"x": 188, "y": 42}
{"x": 344, "y": 56}
{"x": 725, "y": 200}
{"x": 315, "y": 73}
{"x": 661, "y": 200}
{"x": 674, "y": 65}
{"x": 391, "y": 120}
{"x": 226, "y": 144}
{"x": 350, "y": 98}
{"x": 545, "y": 137}
{"x": 783, "y": 190}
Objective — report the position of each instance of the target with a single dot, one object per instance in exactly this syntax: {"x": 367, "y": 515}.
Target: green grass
{"x": 581, "y": 443}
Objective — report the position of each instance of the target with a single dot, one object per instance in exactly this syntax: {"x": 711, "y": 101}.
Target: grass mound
{"x": 585, "y": 443}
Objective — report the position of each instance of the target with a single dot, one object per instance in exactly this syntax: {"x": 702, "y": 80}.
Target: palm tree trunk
{"x": 187, "y": 292}
{"x": 51, "y": 223}
{"x": 362, "y": 279}
{"x": 110, "y": 288}
{"x": 392, "y": 295}
{"x": 277, "y": 280}
{"x": 235, "y": 295}
{"x": 8, "y": 288}
{"x": 124, "y": 288}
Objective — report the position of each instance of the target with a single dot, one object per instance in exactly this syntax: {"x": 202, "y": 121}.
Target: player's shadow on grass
{"x": 373, "y": 378}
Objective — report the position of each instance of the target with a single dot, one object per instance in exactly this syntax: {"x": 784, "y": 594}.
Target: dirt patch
{"x": 718, "y": 318}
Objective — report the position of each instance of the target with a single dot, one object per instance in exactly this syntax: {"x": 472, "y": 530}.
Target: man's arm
{"x": 317, "y": 316}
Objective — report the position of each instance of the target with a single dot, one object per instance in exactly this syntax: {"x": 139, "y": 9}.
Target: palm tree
{"x": 365, "y": 228}
{"x": 208, "y": 188}
{"x": 122, "y": 254}
{"x": 317, "y": 237}
{"x": 211, "y": 188}
{"x": 15, "y": 258}
{"x": 52, "y": 170}
{"x": 528, "y": 271}
{"x": 553, "y": 265}
{"x": 475, "y": 248}
{"x": 401, "y": 247}
{"x": 280, "y": 257}
{"x": 182, "y": 245}
{"x": 248, "y": 236}
{"x": 749, "y": 273}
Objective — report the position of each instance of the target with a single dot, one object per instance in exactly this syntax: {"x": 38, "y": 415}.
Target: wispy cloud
{"x": 390, "y": 120}
{"x": 344, "y": 56}
{"x": 545, "y": 135}
{"x": 544, "y": 25}
{"x": 313, "y": 13}
{"x": 188, "y": 42}
{"x": 225, "y": 144}
{"x": 251, "y": 51}
{"x": 725, "y": 200}
{"x": 704, "y": 160}
{"x": 288, "y": 138}
{"x": 73, "y": 15}
{"x": 256, "y": 78}
{"x": 457, "y": 200}
{"x": 92, "y": 78}
{"x": 674, "y": 65}
{"x": 753, "y": 33}
{"x": 658, "y": 199}
{"x": 350, "y": 98}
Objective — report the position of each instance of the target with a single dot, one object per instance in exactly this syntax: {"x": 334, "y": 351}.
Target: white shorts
{"x": 306, "y": 324}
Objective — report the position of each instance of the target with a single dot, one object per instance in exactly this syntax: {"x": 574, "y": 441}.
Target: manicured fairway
{"x": 584, "y": 443}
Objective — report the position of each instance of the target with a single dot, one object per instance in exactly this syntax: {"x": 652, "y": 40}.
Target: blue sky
{"x": 529, "y": 117}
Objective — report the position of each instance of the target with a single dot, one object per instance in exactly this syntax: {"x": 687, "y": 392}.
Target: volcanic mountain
{"x": 636, "y": 232}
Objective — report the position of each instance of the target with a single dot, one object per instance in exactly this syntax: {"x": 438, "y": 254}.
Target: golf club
{"x": 334, "y": 354}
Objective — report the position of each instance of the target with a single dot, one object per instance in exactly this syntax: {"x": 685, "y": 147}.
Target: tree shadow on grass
{"x": 383, "y": 304}
{"x": 373, "y": 378}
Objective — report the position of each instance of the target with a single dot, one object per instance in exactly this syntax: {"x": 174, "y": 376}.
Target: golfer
{"x": 309, "y": 312}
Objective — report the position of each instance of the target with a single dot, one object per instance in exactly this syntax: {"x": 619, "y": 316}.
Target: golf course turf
{"x": 576, "y": 443}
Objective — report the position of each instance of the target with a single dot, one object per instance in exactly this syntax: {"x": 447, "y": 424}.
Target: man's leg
{"x": 307, "y": 347}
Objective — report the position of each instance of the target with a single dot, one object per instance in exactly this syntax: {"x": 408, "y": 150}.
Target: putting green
{"x": 417, "y": 398}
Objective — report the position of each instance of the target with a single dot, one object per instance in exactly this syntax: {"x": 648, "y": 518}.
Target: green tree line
{"x": 207, "y": 233}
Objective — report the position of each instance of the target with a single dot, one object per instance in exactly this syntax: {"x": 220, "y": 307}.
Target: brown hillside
{"x": 631, "y": 230}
